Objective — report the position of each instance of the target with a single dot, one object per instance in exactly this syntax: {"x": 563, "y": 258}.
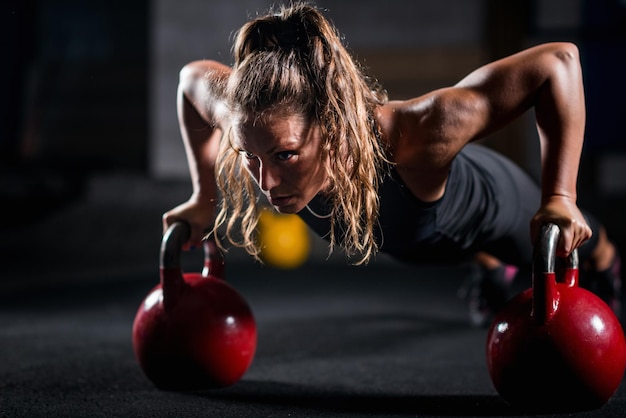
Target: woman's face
{"x": 283, "y": 155}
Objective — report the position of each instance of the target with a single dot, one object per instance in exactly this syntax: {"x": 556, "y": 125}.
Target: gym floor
{"x": 334, "y": 340}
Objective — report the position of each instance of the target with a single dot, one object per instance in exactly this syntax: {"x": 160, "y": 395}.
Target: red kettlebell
{"x": 193, "y": 331}
{"x": 556, "y": 346}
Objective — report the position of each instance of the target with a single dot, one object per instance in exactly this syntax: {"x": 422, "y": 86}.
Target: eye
{"x": 248, "y": 155}
{"x": 284, "y": 155}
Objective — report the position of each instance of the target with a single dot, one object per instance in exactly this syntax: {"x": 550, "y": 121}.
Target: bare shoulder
{"x": 202, "y": 84}
{"x": 197, "y": 77}
{"x": 195, "y": 70}
{"x": 446, "y": 119}
{"x": 418, "y": 144}
{"x": 426, "y": 130}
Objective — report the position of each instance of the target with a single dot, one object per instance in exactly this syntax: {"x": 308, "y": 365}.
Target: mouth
{"x": 281, "y": 201}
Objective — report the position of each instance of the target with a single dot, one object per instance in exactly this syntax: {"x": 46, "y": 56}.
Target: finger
{"x": 168, "y": 219}
{"x": 588, "y": 233}
{"x": 582, "y": 232}
{"x": 196, "y": 236}
{"x": 565, "y": 244}
{"x": 166, "y": 222}
{"x": 194, "y": 240}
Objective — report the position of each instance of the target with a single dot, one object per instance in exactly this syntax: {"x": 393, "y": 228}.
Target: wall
{"x": 411, "y": 46}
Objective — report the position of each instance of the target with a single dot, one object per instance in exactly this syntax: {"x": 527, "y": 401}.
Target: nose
{"x": 268, "y": 177}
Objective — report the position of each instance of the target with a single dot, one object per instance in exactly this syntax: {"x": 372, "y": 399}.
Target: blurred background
{"x": 90, "y": 152}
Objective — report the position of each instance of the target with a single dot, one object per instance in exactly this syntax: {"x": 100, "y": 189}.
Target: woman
{"x": 296, "y": 117}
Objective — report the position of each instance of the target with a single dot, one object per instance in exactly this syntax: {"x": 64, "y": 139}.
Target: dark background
{"x": 81, "y": 211}
{"x": 76, "y": 93}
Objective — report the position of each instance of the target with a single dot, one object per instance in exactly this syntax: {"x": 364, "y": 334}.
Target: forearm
{"x": 547, "y": 79}
{"x": 201, "y": 140}
{"x": 198, "y": 98}
{"x": 560, "y": 116}
{"x": 200, "y": 92}
{"x": 201, "y": 156}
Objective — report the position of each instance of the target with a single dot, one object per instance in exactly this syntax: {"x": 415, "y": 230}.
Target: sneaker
{"x": 486, "y": 292}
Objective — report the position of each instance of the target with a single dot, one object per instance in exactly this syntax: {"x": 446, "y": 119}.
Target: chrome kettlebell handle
{"x": 172, "y": 243}
{"x": 171, "y": 248}
{"x": 544, "y": 258}
{"x": 545, "y": 271}
{"x": 171, "y": 271}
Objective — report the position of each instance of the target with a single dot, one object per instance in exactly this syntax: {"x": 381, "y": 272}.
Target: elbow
{"x": 190, "y": 73}
{"x": 566, "y": 52}
{"x": 185, "y": 79}
{"x": 185, "y": 73}
{"x": 562, "y": 62}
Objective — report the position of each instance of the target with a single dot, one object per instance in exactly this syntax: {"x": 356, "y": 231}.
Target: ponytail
{"x": 293, "y": 61}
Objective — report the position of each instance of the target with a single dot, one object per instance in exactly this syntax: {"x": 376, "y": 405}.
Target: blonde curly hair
{"x": 293, "y": 60}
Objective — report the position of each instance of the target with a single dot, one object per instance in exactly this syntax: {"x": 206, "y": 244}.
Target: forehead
{"x": 272, "y": 128}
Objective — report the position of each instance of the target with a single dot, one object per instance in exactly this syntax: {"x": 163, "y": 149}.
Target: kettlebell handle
{"x": 171, "y": 248}
{"x": 544, "y": 279}
{"x": 172, "y": 243}
{"x": 544, "y": 258}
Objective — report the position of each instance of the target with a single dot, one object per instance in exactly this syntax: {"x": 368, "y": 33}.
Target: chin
{"x": 288, "y": 209}
{"x": 285, "y": 210}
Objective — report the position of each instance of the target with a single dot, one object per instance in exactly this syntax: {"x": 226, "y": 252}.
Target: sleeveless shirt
{"x": 481, "y": 203}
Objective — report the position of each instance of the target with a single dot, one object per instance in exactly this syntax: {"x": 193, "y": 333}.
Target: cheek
{"x": 317, "y": 164}
{"x": 313, "y": 173}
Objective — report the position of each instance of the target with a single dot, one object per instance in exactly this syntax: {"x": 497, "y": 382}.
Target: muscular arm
{"x": 547, "y": 78}
{"x": 198, "y": 98}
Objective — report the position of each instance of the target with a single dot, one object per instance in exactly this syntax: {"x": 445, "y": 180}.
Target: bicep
{"x": 489, "y": 99}
{"x": 497, "y": 93}
{"x": 432, "y": 129}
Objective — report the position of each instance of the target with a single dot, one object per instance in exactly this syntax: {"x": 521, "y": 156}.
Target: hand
{"x": 197, "y": 215}
{"x": 563, "y": 212}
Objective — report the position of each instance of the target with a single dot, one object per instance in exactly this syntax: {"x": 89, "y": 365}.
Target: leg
{"x": 488, "y": 288}
{"x": 601, "y": 271}
{"x": 490, "y": 285}
{"x": 518, "y": 198}
{"x": 604, "y": 253}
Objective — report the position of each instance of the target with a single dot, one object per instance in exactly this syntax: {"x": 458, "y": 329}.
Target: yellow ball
{"x": 284, "y": 239}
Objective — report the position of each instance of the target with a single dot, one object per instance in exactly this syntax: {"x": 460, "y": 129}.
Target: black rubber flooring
{"x": 386, "y": 340}
{"x": 333, "y": 341}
